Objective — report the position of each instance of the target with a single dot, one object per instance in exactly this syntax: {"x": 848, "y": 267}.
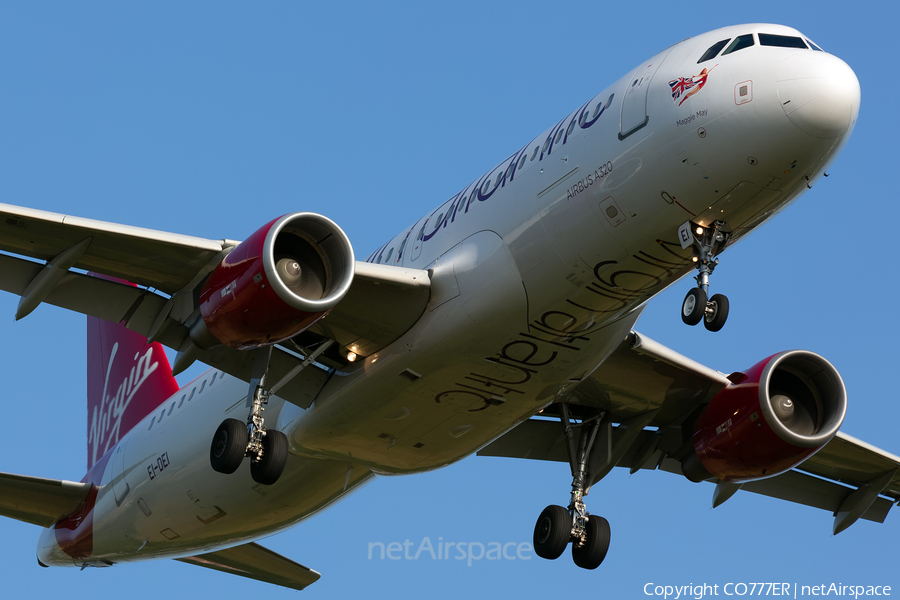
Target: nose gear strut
{"x": 707, "y": 242}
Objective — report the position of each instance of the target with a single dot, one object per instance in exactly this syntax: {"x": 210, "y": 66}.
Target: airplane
{"x": 508, "y": 331}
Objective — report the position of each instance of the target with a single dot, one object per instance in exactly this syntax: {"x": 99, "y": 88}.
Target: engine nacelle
{"x": 773, "y": 417}
{"x": 275, "y": 284}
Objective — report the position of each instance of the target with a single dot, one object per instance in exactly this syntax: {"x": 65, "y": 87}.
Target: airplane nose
{"x": 819, "y": 93}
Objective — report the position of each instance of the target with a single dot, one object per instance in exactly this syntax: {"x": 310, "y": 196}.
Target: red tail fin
{"x": 126, "y": 380}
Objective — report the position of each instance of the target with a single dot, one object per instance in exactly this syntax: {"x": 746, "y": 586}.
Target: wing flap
{"x": 39, "y": 501}
{"x": 93, "y": 296}
{"x": 256, "y": 562}
{"x": 801, "y": 488}
{"x": 854, "y": 462}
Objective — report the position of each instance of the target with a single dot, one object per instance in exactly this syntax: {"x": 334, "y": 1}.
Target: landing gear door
{"x": 635, "y": 110}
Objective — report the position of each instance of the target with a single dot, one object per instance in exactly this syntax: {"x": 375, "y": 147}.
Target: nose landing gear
{"x": 707, "y": 242}
{"x": 557, "y": 526}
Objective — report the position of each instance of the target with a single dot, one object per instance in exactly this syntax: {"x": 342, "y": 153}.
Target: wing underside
{"x": 44, "y": 257}
{"x": 646, "y": 391}
{"x": 256, "y": 562}
{"x": 40, "y": 501}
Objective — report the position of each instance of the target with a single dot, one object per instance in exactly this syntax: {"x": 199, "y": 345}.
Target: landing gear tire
{"x": 552, "y": 532}
{"x": 275, "y": 452}
{"x": 716, "y": 313}
{"x": 694, "y": 306}
{"x": 228, "y": 444}
{"x": 590, "y": 554}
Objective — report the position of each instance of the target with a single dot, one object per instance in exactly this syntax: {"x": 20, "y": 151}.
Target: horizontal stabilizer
{"x": 39, "y": 501}
{"x": 256, "y": 562}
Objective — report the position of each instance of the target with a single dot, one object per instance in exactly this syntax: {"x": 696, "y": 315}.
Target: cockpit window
{"x": 782, "y": 41}
{"x": 739, "y": 43}
{"x": 713, "y": 51}
{"x": 813, "y": 46}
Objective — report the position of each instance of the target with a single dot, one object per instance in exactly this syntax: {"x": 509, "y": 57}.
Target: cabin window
{"x": 152, "y": 421}
{"x": 522, "y": 161}
{"x": 533, "y": 154}
{"x": 161, "y": 415}
{"x": 213, "y": 380}
{"x": 171, "y": 408}
{"x": 193, "y": 391}
{"x": 389, "y": 254}
{"x": 402, "y": 246}
{"x": 713, "y": 51}
{"x": 558, "y": 136}
{"x": 782, "y": 41}
{"x": 183, "y": 398}
{"x": 547, "y": 144}
{"x": 739, "y": 43}
{"x": 571, "y": 128}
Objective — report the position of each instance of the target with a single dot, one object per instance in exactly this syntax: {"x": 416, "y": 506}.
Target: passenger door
{"x": 634, "y": 102}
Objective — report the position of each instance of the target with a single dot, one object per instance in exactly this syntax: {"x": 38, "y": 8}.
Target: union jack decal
{"x": 685, "y": 87}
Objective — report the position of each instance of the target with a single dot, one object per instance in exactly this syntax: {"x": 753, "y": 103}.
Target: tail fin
{"x": 127, "y": 378}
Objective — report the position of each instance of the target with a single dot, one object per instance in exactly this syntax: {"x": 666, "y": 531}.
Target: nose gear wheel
{"x": 707, "y": 242}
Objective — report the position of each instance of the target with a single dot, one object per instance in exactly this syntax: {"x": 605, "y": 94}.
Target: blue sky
{"x": 212, "y": 118}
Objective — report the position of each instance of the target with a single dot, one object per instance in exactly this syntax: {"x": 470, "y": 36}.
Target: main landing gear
{"x": 233, "y": 440}
{"x": 557, "y": 526}
{"x": 707, "y": 242}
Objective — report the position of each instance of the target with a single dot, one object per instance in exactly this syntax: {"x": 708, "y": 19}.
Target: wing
{"x": 382, "y": 304}
{"x": 647, "y": 391}
{"x": 256, "y": 562}
{"x": 40, "y": 501}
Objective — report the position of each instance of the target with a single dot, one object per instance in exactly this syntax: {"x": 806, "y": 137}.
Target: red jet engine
{"x": 275, "y": 284}
{"x": 774, "y": 416}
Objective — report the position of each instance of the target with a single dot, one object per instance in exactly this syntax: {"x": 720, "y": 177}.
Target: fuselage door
{"x": 120, "y": 486}
{"x": 417, "y": 243}
{"x": 635, "y": 110}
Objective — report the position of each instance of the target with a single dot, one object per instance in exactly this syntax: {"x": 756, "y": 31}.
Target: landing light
{"x": 699, "y": 230}
{"x": 351, "y": 356}
{"x": 695, "y": 259}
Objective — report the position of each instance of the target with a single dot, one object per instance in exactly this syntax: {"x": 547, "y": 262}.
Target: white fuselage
{"x": 539, "y": 270}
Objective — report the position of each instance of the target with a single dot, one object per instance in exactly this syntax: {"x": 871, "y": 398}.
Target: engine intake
{"x": 774, "y": 416}
{"x": 275, "y": 284}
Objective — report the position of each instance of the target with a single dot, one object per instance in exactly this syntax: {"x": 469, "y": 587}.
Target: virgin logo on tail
{"x": 106, "y": 420}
